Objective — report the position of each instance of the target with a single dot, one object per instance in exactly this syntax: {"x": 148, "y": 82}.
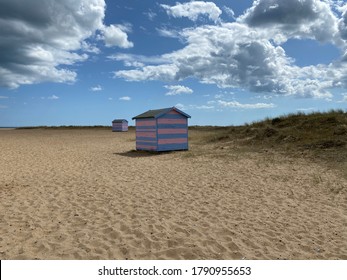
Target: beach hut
{"x": 119, "y": 125}
{"x": 162, "y": 130}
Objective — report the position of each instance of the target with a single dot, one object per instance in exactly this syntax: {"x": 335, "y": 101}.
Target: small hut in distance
{"x": 119, "y": 125}
{"x": 162, "y": 130}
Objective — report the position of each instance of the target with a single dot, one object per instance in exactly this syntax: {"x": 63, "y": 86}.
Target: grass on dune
{"x": 322, "y": 136}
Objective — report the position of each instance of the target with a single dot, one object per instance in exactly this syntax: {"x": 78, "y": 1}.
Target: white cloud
{"x": 86, "y": 47}
{"x": 218, "y": 104}
{"x": 116, "y": 36}
{"x": 138, "y": 61}
{"x": 178, "y": 89}
{"x": 246, "y": 54}
{"x": 306, "y": 109}
{"x": 236, "y": 104}
{"x": 229, "y": 55}
{"x": 193, "y": 107}
{"x": 235, "y": 55}
{"x": 343, "y": 22}
{"x": 150, "y": 15}
{"x": 180, "y": 106}
{"x": 3, "y": 107}
{"x": 125, "y": 98}
{"x": 40, "y": 39}
{"x": 193, "y": 10}
{"x": 293, "y": 18}
{"x": 53, "y": 97}
{"x": 229, "y": 12}
{"x": 36, "y": 43}
{"x": 3, "y": 97}
{"x": 169, "y": 33}
{"x": 204, "y": 107}
{"x": 344, "y": 98}
{"x": 266, "y": 97}
{"x": 165, "y": 72}
{"x": 96, "y": 88}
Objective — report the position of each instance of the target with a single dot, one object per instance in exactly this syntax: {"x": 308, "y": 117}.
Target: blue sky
{"x": 87, "y": 62}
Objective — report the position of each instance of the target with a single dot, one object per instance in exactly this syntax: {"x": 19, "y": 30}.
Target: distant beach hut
{"x": 162, "y": 130}
{"x": 119, "y": 125}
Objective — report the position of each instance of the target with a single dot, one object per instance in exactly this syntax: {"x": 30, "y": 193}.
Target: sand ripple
{"x": 82, "y": 194}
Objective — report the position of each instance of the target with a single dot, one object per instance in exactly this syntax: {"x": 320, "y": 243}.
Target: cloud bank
{"x": 96, "y": 88}
{"x": 248, "y": 53}
{"x": 178, "y": 89}
{"x": 116, "y": 36}
{"x": 40, "y": 39}
{"x": 194, "y": 10}
{"x": 125, "y": 98}
{"x": 236, "y": 104}
{"x": 293, "y": 19}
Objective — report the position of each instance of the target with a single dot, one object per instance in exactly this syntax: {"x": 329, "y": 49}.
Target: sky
{"x": 225, "y": 62}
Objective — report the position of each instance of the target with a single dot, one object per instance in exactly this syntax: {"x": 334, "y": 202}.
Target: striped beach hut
{"x": 119, "y": 125}
{"x": 162, "y": 130}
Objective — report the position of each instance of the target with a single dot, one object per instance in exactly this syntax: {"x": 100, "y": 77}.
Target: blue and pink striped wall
{"x": 120, "y": 125}
{"x": 166, "y": 132}
{"x": 146, "y": 134}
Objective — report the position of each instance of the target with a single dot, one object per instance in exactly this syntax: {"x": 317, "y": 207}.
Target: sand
{"x": 84, "y": 194}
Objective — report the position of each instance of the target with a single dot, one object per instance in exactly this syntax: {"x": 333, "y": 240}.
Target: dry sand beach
{"x": 85, "y": 194}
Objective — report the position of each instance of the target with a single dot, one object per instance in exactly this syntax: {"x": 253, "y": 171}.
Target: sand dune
{"x": 84, "y": 194}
